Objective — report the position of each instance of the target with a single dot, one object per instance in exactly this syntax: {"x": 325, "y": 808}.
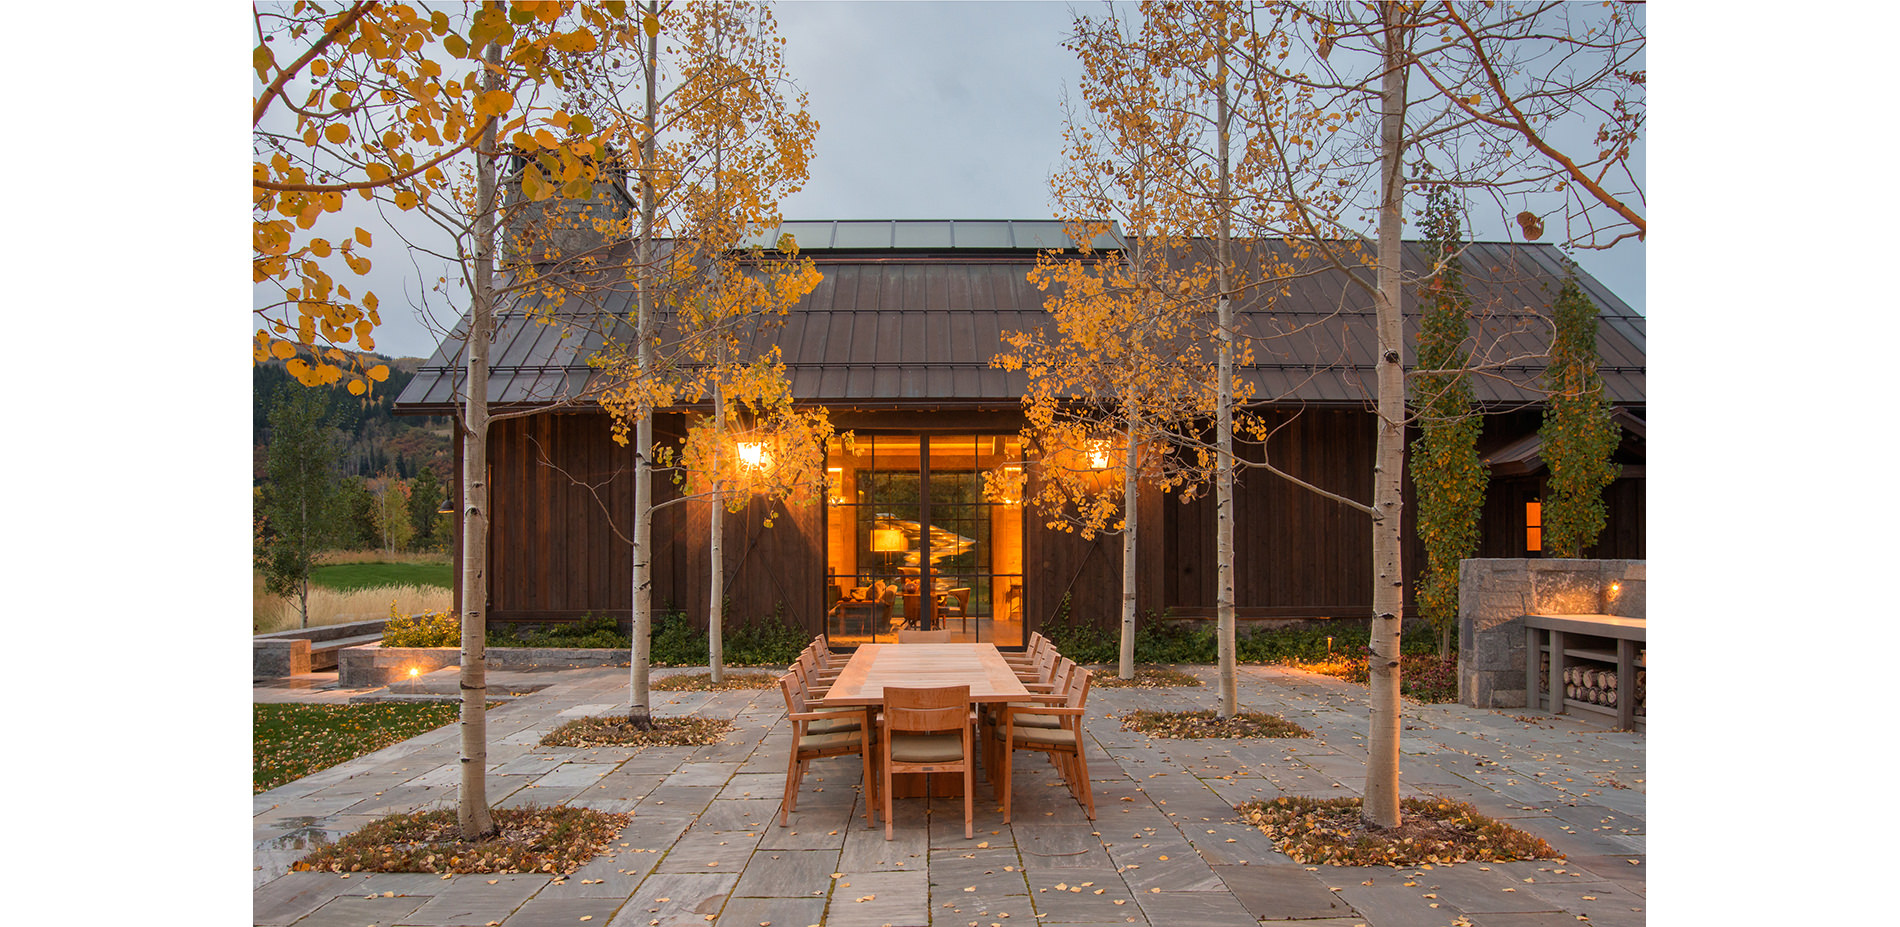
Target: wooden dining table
{"x": 874, "y": 666}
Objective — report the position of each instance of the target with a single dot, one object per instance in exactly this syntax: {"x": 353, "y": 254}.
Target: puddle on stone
{"x": 302, "y": 835}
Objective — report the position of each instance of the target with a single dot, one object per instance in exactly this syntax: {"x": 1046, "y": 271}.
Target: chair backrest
{"x": 803, "y": 671}
{"x": 794, "y": 691}
{"x": 962, "y": 595}
{"x": 945, "y": 708}
{"x": 923, "y": 637}
{"x": 1060, "y": 673}
{"x": 1078, "y": 687}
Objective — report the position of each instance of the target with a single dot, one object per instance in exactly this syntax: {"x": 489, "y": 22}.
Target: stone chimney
{"x": 561, "y": 229}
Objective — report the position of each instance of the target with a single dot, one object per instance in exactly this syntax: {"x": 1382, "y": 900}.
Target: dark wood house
{"x": 896, "y": 342}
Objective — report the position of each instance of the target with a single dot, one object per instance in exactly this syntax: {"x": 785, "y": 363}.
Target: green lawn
{"x": 292, "y": 741}
{"x": 348, "y": 577}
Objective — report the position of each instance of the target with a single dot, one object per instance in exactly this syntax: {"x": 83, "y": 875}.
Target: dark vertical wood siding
{"x": 562, "y": 493}
{"x": 1295, "y": 553}
{"x": 562, "y": 503}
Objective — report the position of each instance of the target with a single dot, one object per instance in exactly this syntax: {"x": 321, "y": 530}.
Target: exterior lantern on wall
{"x": 754, "y": 456}
{"x": 1534, "y": 527}
{"x": 1098, "y": 455}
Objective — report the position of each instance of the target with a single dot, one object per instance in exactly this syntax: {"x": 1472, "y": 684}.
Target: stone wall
{"x": 373, "y": 665}
{"x": 1493, "y": 595}
{"x": 302, "y": 650}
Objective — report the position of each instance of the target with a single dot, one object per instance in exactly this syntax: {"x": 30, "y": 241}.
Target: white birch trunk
{"x": 715, "y": 543}
{"x": 1130, "y": 526}
{"x": 1224, "y": 424}
{"x": 472, "y": 808}
{"x": 1381, "y": 804}
{"x": 639, "y": 694}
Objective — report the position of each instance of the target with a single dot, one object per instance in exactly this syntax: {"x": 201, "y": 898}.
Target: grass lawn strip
{"x": 1207, "y": 723}
{"x": 290, "y": 741}
{"x": 617, "y": 731}
{"x": 352, "y": 576}
{"x": 1146, "y": 677}
{"x": 1430, "y": 832}
{"x": 555, "y": 840}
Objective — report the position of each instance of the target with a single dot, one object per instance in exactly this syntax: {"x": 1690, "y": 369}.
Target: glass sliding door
{"x": 913, "y": 540}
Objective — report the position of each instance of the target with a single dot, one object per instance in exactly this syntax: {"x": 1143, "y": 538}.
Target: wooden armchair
{"x": 1025, "y": 727}
{"x": 820, "y": 734}
{"x": 928, "y": 731}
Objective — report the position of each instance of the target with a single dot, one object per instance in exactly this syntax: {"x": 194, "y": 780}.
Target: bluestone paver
{"x": 704, "y": 845}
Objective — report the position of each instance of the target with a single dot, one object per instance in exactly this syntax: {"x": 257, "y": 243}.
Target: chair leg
{"x": 1087, "y": 794}
{"x": 969, "y": 800}
{"x": 793, "y": 773}
{"x": 884, "y": 784}
{"x": 969, "y": 784}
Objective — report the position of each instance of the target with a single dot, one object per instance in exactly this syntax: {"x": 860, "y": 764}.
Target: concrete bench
{"x": 308, "y": 650}
{"x": 323, "y": 654}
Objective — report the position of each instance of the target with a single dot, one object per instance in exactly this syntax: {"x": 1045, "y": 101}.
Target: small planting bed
{"x": 556, "y": 840}
{"x": 702, "y": 682}
{"x": 617, "y": 731}
{"x": 1208, "y": 723}
{"x": 1430, "y": 832}
{"x": 1146, "y": 677}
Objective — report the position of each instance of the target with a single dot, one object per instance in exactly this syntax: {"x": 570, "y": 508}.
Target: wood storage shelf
{"x": 1599, "y": 665}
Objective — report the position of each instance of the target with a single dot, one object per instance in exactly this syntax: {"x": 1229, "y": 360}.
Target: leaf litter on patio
{"x": 554, "y": 840}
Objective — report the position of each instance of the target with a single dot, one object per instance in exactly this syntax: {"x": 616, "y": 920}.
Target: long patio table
{"x": 874, "y": 666}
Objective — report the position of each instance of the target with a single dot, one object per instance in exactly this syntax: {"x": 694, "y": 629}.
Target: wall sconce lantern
{"x": 1534, "y": 527}
{"x": 1098, "y": 455}
{"x": 754, "y": 456}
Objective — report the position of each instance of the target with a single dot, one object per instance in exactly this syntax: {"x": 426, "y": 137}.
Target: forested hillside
{"x": 373, "y": 440}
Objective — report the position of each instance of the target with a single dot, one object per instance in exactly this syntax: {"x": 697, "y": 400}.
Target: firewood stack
{"x": 1594, "y": 684}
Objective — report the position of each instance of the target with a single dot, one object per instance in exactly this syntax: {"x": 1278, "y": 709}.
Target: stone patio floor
{"x": 704, "y": 846}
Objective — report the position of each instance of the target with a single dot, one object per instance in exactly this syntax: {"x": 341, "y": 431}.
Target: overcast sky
{"x": 927, "y": 110}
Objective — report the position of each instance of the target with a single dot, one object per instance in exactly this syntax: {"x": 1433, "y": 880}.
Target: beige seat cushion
{"x": 839, "y": 725}
{"x": 828, "y": 741}
{"x": 943, "y": 747}
{"x": 1056, "y": 737}
{"x": 1025, "y": 719}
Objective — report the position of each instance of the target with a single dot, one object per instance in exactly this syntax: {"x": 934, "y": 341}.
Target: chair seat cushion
{"x": 1025, "y": 719}
{"x": 943, "y": 747}
{"x": 1042, "y": 736}
{"x": 839, "y": 725}
{"x": 834, "y": 741}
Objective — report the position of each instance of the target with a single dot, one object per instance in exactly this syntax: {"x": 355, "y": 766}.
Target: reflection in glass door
{"x": 914, "y": 542}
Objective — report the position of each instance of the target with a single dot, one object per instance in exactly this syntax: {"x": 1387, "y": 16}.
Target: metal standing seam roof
{"x": 909, "y": 314}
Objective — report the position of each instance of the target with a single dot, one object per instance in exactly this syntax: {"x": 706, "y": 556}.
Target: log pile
{"x": 1596, "y": 684}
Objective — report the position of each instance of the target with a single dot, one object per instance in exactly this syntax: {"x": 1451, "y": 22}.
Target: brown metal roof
{"x": 912, "y": 318}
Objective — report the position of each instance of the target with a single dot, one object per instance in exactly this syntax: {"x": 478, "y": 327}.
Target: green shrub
{"x": 429, "y": 629}
{"x": 593, "y": 631}
{"x": 1159, "y": 640}
{"x": 770, "y": 641}
{"x": 676, "y": 642}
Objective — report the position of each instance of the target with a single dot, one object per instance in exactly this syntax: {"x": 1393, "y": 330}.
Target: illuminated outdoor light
{"x": 753, "y": 454}
{"x": 1098, "y": 455}
{"x": 414, "y": 671}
